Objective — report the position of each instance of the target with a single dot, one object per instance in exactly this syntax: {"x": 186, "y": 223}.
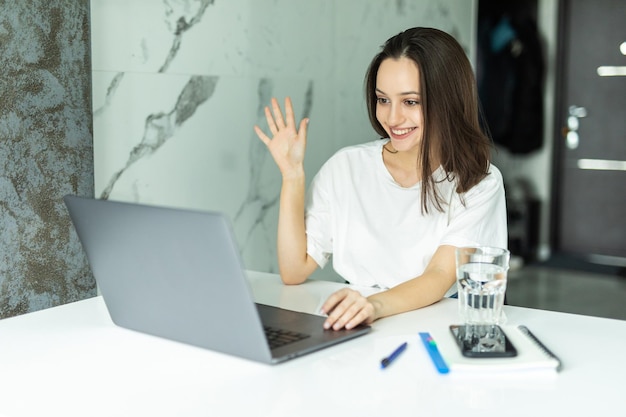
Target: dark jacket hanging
{"x": 510, "y": 82}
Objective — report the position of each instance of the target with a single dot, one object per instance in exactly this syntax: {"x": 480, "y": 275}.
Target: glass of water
{"x": 481, "y": 283}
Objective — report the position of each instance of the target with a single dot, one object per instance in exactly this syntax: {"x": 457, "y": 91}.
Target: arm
{"x": 293, "y": 261}
{"x": 287, "y": 147}
{"x": 481, "y": 221}
{"x": 347, "y": 308}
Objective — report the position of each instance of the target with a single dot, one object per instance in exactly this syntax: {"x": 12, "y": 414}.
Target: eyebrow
{"x": 406, "y": 93}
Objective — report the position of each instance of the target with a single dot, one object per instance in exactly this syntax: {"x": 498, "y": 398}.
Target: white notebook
{"x": 532, "y": 355}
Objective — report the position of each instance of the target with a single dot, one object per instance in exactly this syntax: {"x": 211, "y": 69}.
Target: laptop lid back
{"x": 171, "y": 273}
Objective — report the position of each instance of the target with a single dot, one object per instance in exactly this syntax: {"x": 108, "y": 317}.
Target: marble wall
{"x": 45, "y": 151}
{"x": 178, "y": 85}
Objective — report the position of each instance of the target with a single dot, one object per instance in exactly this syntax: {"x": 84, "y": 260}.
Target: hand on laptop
{"x": 347, "y": 309}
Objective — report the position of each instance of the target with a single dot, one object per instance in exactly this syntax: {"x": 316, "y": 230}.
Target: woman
{"x": 391, "y": 212}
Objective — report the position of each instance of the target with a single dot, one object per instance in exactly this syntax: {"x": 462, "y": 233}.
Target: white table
{"x": 73, "y": 361}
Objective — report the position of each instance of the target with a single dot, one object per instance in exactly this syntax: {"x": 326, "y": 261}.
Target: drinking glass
{"x": 481, "y": 283}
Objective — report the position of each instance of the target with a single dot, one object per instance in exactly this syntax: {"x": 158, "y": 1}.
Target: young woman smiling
{"x": 391, "y": 212}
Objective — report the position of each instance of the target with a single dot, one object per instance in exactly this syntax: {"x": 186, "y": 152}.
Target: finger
{"x": 278, "y": 114}
{"x": 333, "y": 315}
{"x": 333, "y": 318}
{"x": 262, "y": 135}
{"x": 362, "y": 316}
{"x": 270, "y": 121}
{"x": 351, "y": 313}
{"x": 336, "y": 306}
{"x": 291, "y": 119}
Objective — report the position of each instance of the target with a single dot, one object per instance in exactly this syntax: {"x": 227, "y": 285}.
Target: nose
{"x": 395, "y": 115}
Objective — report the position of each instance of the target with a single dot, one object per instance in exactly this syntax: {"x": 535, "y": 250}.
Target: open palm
{"x": 287, "y": 144}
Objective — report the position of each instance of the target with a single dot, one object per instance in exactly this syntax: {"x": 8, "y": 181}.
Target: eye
{"x": 382, "y": 100}
{"x": 412, "y": 102}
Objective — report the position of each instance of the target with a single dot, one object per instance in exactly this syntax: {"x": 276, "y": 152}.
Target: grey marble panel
{"x": 45, "y": 151}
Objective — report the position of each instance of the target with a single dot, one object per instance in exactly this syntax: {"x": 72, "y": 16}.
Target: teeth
{"x": 400, "y": 132}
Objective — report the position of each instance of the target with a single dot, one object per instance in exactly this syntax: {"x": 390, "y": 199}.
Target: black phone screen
{"x": 483, "y": 341}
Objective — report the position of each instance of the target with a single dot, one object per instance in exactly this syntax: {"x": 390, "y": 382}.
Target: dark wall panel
{"x": 46, "y": 151}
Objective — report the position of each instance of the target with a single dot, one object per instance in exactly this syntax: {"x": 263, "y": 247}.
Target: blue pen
{"x": 433, "y": 351}
{"x": 387, "y": 361}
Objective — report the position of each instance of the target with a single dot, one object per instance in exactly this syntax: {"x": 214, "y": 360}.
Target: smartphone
{"x": 483, "y": 341}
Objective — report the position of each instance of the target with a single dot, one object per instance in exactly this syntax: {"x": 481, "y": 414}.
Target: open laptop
{"x": 178, "y": 274}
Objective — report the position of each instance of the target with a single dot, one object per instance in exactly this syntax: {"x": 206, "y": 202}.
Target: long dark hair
{"x": 452, "y": 131}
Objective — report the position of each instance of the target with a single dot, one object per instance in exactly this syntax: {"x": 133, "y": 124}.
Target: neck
{"x": 407, "y": 160}
{"x": 402, "y": 165}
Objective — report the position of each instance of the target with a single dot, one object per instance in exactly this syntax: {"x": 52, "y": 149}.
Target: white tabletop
{"x": 73, "y": 361}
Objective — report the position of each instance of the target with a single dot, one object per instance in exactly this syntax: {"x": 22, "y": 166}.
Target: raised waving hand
{"x": 288, "y": 142}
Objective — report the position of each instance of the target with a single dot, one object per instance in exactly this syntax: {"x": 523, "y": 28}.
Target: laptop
{"x": 178, "y": 274}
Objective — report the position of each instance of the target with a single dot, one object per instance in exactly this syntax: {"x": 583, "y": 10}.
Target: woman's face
{"x": 398, "y": 106}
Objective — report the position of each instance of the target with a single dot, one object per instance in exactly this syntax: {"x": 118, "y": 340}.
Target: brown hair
{"x": 452, "y": 130}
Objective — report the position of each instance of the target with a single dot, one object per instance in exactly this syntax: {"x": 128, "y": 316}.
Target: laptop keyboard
{"x": 281, "y": 337}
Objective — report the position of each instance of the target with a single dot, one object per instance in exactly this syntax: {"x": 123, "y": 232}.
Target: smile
{"x": 401, "y": 132}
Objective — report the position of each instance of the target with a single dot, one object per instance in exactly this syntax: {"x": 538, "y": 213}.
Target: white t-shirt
{"x": 374, "y": 228}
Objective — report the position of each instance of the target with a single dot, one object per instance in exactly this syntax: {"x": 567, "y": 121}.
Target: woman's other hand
{"x": 287, "y": 144}
{"x": 347, "y": 309}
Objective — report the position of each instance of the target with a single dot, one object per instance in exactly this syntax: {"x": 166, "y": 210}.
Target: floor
{"x": 589, "y": 292}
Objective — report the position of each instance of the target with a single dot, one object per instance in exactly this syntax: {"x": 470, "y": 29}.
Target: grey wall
{"x": 46, "y": 151}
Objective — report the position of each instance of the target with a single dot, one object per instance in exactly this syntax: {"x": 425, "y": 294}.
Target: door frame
{"x": 557, "y": 134}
